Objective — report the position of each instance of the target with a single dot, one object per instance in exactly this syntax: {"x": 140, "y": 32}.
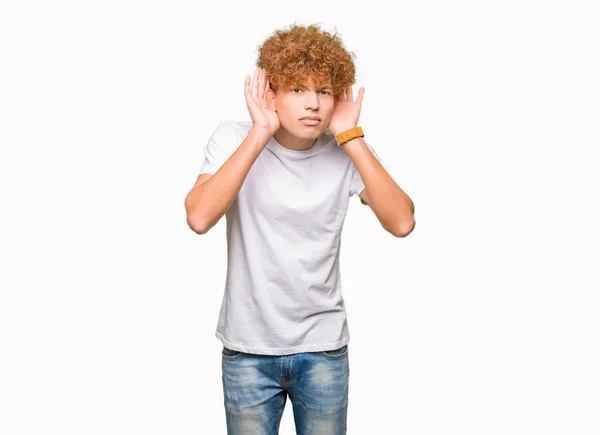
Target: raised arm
{"x": 213, "y": 194}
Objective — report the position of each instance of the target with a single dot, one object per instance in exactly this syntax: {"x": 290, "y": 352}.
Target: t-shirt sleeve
{"x": 223, "y": 142}
{"x": 356, "y": 184}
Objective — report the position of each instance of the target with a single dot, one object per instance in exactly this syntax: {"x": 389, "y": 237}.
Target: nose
{"x": 311, "y": 101}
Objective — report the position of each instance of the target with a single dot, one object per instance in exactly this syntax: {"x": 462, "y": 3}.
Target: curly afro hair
{"x": 291, "y": 56}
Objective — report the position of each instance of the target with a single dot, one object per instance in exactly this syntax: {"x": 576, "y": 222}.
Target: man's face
{"x": 295, "y": 102}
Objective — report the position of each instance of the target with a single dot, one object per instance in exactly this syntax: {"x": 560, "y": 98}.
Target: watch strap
{"x": 350, "y": 134}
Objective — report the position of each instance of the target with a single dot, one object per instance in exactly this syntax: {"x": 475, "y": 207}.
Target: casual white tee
{"x": 283, "y": 288}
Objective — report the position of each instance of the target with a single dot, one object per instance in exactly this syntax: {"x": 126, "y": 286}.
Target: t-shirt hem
{"x": 315, "y": 347}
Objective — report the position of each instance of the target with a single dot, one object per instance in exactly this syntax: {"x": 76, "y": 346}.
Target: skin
{"x": 292, "y": 103}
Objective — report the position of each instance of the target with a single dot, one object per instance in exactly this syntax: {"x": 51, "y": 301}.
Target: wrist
{"x": 259, "y": 137}
{"x": 261, "y": 133}
{"x": 348, "y": 135}
{"x": 337, "y": 130}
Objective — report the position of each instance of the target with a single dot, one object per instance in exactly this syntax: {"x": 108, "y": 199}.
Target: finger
{"x": 361, "y": 93}
{"x": 248, "y": 92}
{"x": 255, "y": 82}
{"x": 261, "y": 86}
{"x": 341, "y": 97}
{"x": 267, "y": 86}
{"x": 349, "y": 95}
{"x": 247, "y": 85}
{"x": 267, "y": 83}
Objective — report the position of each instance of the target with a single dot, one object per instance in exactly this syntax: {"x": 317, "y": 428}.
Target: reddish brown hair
{"x": 292, "y": 55}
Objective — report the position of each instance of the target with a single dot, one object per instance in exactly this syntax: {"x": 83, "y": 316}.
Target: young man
{"x": 283, "y": 181}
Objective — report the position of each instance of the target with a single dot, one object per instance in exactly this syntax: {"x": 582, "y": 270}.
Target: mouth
{"x": 310, "y": 120}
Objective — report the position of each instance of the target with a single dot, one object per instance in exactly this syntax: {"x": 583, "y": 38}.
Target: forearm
{"x": 392, "y": 206}
{"x": 208, "y": 202}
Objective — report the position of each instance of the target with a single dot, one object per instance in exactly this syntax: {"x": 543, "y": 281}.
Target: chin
{"x": 316, "y": 130}
{"x": 306, "y": 132}
{"x": 313, "y": 134}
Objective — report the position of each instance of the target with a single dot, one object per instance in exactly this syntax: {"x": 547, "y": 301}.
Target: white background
{"x": 484, "y": 320}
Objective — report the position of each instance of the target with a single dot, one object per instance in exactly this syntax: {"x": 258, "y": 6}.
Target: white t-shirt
{"x": 283, "y": 288}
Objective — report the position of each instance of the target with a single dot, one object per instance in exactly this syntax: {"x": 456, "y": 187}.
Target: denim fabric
{"x": 256, "y": 388}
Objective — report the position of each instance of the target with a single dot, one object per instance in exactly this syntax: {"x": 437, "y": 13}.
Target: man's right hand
{"x": 264, "y": 119}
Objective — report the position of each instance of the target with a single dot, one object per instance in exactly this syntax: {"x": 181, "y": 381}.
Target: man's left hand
{"x": 346, "y": 111}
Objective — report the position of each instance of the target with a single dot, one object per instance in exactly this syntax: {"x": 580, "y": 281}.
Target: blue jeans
{"x": 255, "y": 389}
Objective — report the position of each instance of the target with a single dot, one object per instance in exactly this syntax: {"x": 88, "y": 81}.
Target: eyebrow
{"x": 319, "y": 89}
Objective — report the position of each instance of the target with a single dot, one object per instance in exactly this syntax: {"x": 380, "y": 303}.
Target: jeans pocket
{"x": 227, "y": 353}
{"x": 336, "y": 353}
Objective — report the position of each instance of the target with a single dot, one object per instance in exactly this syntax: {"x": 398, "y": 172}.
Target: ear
{"x": 271, "y": 98}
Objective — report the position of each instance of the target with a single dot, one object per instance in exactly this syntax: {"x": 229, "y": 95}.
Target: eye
{"x": 296, "y": 89}
{"x": 326, "y": 92}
